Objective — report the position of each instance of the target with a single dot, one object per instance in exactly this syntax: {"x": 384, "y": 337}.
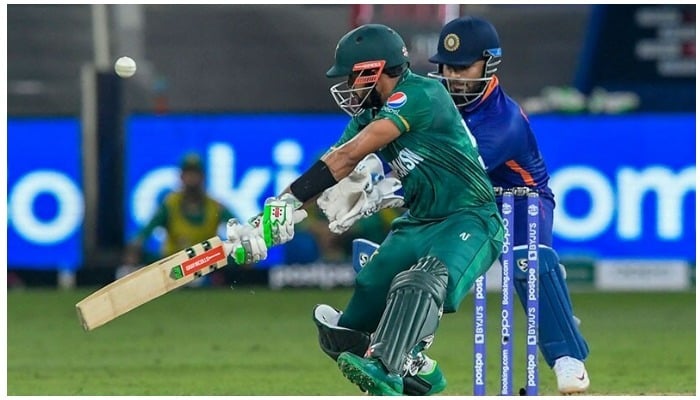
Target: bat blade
{"x": 150, "y": 282}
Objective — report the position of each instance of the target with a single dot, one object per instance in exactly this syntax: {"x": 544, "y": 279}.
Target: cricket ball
{"x": 125, "y": 67}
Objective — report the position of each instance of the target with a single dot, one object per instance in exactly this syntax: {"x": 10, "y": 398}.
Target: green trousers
{"x": 467, "y": 242}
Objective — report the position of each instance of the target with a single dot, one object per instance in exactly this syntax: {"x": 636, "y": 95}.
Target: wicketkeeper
{"x": 468, "y": 55}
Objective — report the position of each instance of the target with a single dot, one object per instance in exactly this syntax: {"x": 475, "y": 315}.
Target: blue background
{"x": 607, "y": 144}
{"x": 603, "y": 143}
{"x": 43, "y": 144}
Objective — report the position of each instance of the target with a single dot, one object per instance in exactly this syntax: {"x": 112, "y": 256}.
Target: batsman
{"x": 450, "y": 235}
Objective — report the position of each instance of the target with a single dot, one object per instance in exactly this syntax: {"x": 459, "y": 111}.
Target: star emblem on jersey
{"x": 451, "y": 42}
{"x": 397, "y": 100}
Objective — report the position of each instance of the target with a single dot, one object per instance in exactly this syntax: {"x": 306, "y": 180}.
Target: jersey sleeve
{"x": 353, "y": 127}
{"x": 408, "y": 108}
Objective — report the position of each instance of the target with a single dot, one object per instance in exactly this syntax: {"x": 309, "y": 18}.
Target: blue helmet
{"x": 465, "y": 40}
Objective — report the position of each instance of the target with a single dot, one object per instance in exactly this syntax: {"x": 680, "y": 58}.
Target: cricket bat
{"x": 151, "y": 281}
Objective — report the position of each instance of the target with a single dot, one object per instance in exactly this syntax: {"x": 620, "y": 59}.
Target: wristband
{"x": 312, "y": 182}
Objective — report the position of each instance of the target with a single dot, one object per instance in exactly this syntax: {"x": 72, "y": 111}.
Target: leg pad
{"x": 411, "y": 316}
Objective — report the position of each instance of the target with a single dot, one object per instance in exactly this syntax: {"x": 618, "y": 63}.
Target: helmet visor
{"x": 352, "y": 95}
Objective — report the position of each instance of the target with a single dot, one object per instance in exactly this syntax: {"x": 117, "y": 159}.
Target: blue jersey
{"x": 506, "y": 142}
{"x": 509, "y": 150}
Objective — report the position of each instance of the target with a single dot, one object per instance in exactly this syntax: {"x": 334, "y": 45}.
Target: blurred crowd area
{"x": 254, "y": 58}
{"x": 272, "y": 58}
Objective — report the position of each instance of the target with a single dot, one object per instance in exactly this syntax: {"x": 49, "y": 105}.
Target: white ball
{"x": 125, "y": 67}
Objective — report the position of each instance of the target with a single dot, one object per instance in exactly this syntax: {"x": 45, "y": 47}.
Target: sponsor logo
{"x": 505, "y": 326}
{"x": 648, "y": 275}
{"x": 532, "y": 242}
{"x": 507, "y": 209}
{"x": 479, "y": 288}
{"x": 531, "y": 326}
{"x": 176, "y": 273}
{"x": 479, "y": 325}
{"x": 325, "y": 276}
{"x": 636, "y": 207}
{"x": 397, "y": 100}
{"x": 531, "y": 371}
{"x": 522, "y": 264}
{"x": 368, "y": 65}
{"x": 532, "y": 210}
{"x": 405, "y": 162}
{"x": 478, "y": 369}
{"x": 479, "y": 311}
{"x": 506, "y": 356}
{"x": 364, "y": 258}
{"x": 203, "y": 260}
{"x": 390, "y": 110}
{"x": 531, "y": 284}
{"x": 505, "y": 372}
{"x": 616, "y": 202}
{"x": 506, "y": 236}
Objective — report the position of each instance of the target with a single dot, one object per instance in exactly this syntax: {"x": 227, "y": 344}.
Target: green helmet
{"x": 371, "y": 42}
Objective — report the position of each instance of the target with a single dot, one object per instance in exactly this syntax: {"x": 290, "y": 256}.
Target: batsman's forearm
{"x": 312, "y": 182}
{"x": 342, "y": 160}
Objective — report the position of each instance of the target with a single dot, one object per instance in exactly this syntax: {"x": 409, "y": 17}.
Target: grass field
{"x": 254, "y": 341}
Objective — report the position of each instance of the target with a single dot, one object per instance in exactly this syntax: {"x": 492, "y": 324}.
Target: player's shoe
{"x": 424, "y": 377}
{"x": 572, "y": 377}
{"x": 431, "y": 373}
{"x": 370, "y": 375}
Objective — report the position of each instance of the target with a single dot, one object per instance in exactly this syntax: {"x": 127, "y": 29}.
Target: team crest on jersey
{"x": 451, "y": 42}
{"x": 397, "y": 100}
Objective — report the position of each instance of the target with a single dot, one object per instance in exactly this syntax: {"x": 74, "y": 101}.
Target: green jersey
{"x": 435, "y": 157}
